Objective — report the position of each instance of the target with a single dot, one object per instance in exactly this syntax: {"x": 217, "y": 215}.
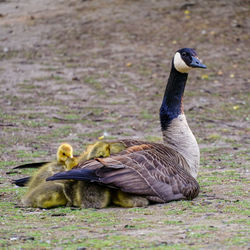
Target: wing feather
{"x": 150, "y": 169}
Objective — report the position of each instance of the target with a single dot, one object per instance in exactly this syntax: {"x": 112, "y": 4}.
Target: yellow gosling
{"x": 46, "y": 195}
{"x": 122, "y": 199}
{"x": 64, "y": 152}
{"x": 49, "y": 194}
{"x": 87, "y": 195}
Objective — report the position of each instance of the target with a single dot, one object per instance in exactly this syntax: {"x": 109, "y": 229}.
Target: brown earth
{"x": 74, "y": 70}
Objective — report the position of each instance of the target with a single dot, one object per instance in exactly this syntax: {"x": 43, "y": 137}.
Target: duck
{"x": 159, "y": 172}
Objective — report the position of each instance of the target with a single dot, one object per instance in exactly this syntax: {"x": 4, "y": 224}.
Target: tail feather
{"x": 31, "y": 165}
{"x": 76, "y": 174}
{"x": 21, "y": 182}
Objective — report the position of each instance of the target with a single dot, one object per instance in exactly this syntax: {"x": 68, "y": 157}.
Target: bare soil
{"x": 75, "y": 70}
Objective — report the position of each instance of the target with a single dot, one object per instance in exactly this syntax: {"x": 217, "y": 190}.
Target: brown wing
{"x": 148, "y": 169}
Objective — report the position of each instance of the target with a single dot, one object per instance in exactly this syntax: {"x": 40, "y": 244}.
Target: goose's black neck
{"x": 172, "y": 101}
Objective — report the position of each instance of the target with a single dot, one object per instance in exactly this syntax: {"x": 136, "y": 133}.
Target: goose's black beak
{"x": 197, "y": 64}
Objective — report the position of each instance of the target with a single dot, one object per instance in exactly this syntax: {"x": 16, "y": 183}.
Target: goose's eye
{"x": 183, "y": 53}
{"x": 64, "y": 154}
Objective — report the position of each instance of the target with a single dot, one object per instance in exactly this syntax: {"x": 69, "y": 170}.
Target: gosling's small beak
{"x": 196, "y": 63}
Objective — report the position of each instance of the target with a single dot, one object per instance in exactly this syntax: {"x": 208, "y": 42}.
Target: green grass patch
{"x": 93, "y": 82}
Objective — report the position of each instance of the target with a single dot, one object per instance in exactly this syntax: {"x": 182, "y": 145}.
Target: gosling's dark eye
{"x": 183, "y": 53}
{"x": 64, "y": 154}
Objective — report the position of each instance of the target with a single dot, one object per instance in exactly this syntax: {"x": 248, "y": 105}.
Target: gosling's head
{"x": 185, "y": 59}
{"x": 64, "y": 152}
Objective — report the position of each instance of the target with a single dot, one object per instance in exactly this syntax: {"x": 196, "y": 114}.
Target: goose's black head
{"x": 186, "y": 59}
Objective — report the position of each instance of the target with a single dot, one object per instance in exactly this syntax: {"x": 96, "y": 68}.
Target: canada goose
{"x": 39, "y": 193}
{"x": 64, "y": 152}
{"x": 158, "y": 172}
{"x": 31, "y": 165}
{"x": 86, "y": 194}
{"x": 123, "y": 199}
{"x": 46, "y": 195}
{"x": 98, "y": 149}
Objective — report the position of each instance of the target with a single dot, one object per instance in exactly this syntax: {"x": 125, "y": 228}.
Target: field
{"x": 71, "y": 71}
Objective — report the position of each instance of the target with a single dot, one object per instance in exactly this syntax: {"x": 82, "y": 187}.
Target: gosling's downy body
{"x": 123, "y": 199}
{"x": 86, "y": 194}
{"x": 95, "y": 150}
{"x": 39, "y": 193}
{"x": 46, "y": 195}
{"x": 159, "y": 172}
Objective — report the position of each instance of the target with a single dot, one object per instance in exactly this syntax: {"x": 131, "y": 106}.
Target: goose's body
{"x": 157, "y": 172}
{"x": 86, "y": 194}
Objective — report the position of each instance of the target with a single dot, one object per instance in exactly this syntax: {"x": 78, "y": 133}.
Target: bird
{"x": 158, "y": 172}
{"x": 46, "y": 195}
{"x": 21, "y": 182}
{"x": 86, "y": 194}
{"x": 91, "y": 195}
{"x": 31, "y": 165}
{"x": 127, "y": 200}
{"x": 39, "y": 193}
{"x": 64, "y": 148}
{"x": 64, "y": 152}
{"x": 95, "y": 150}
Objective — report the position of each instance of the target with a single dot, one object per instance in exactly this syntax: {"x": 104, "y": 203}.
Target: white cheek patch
{"x": 179, "y": 64}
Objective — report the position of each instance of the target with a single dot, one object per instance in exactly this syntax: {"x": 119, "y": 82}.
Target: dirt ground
{"x": 71, "y": 71}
